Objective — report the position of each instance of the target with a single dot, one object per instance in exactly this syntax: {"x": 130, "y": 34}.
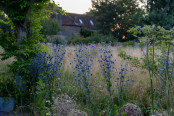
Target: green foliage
{"x": 56, "y": 40}
{"x": 133, "y": 60}
{"x": 117, "y": 16}
{"x": 41, "y": 97}
{"x": 49, "y": 26}
{"x": 22, "y": 40}
{"x": 95, "y": 38}
{"x": 115, "y": 109}
{"x": 8, "y": 39}
{"x": 86, "y": 32}
{"x": 29, "y": 45}
{"x": 9, "y": 44}
{"x": 160, "y": 13}
{"x": 129, "y": 43}
{"x": 7, "y": 88}
{"x": 4, "y": 22}
{"x": 145, "y": 62}
{"x": 142, "y": 44}
{"x": 60, "y": 41}
{"x": 153, "y": 35}
{"x": 27, "y": 48}
{"x": 156, "y": 38}
{"x": 75, "y": 40}
{"x": 17, "y": 11}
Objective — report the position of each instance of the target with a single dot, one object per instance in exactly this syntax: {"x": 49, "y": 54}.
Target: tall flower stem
{"x": 151, "y": 78}
{"x": 151, "y": 74}
{"x": 167, "y": 76}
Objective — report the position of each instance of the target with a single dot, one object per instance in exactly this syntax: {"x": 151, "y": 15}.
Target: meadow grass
{"x": 137, "y": 92}
{"x": 4, "y": 69}
{"x": 4, "y": 64}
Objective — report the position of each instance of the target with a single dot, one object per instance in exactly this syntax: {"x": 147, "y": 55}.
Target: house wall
{"x": 69, "y": 31}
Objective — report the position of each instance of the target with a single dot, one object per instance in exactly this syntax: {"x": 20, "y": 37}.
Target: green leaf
{"x": 114, "y": 110}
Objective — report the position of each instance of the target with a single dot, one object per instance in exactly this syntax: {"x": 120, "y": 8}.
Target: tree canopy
{"x": 20, "y": 12}
{"x": 117, "y": 16}
{"x": 22, "y": 40}
{"x": 160, "y": 13}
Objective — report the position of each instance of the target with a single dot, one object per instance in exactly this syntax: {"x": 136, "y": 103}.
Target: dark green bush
{"x": 7, "y": 87}
{"x": 129, "y": 43}
{"x": 50, "y": 26}
{"x": 60, "y": 41}
{"x": 4, "y": 23}
{"x": 75, "y": 40}
{"x": 94, "y": 38}
{"x": 56, "y": 40}
{"x": 86, "y": 32}
{"x": 142, "y": 44}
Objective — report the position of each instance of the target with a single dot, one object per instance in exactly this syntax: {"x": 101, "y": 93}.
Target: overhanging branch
{"x": 3, "y": 8}
{"x": 166, "y": 6}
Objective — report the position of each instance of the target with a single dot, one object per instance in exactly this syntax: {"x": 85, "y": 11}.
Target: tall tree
{"x": 24, "y": 16}
{"x": 23, "y": 40}
{"x": 19, "y": 12}
{"x": 117, "y": 16}
{"x": 160, "y": 12}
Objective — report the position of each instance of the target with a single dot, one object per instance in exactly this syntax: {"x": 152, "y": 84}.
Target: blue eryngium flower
{"x": 166, "y": 74}
{"x": 89, "y": 44}
{"x": 82, "y": 69}
{"x": 107, "y": 65}
{"x": 46, "y": 66}
{"x": 19, "y": 83}
{"x": 82, "y": 72}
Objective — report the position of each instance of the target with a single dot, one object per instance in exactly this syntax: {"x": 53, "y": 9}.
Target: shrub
{"x": 129, "y": 43}
{"x": 75, "y": 40}
{"x": 49, "y": 26}
{"x": 142, "y": 44}
{"x": 159, "y": 65}
{"x": 86, "y": 32}
{"x": 56, "y": 40}
{"x": 7, "y": 88}
{"x": 94, "y": 38}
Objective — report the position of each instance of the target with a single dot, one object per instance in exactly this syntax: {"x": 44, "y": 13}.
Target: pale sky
{"x": 74, "y": 6}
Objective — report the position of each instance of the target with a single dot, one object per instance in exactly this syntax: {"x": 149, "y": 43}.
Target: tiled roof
{"x": 82, "y": 20}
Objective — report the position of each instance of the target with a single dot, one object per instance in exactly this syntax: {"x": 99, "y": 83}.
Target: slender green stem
{"x": 110, "y": 96}
{"x": 89, "y": 96}
{"x": 167, "y": 74}
{"x": 151, "y": 75}
{"x": 147, "y": 55}
{"x": 90, "y": 101}
{"x": 152, "y": 90}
